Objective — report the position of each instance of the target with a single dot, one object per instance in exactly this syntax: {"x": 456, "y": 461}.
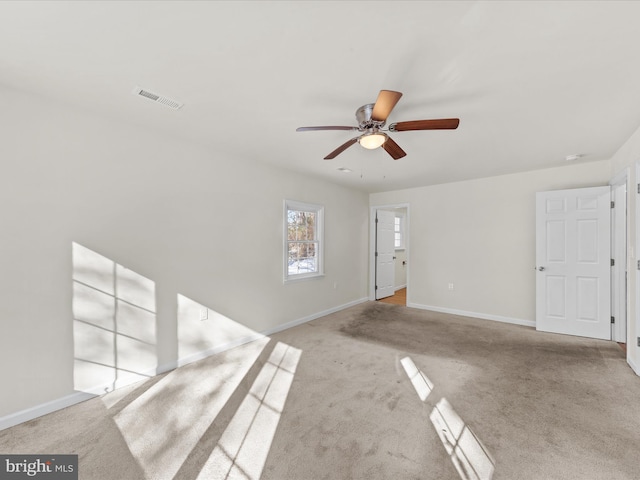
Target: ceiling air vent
{"x": 167, "y": 102}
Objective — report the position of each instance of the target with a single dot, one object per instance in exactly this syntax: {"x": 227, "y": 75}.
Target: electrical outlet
{"x": 451, "y": 286}
{"x": 204, "y": 314}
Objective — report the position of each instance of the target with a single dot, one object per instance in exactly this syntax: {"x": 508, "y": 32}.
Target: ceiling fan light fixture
{"x": 373, "y": 140}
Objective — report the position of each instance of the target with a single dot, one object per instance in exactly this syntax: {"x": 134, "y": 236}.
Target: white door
{"x": 573, "y": 256}
{"x": 385, "y": 254}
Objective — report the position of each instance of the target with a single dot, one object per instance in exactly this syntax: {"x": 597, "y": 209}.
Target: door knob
{"x": 541, "y": 269}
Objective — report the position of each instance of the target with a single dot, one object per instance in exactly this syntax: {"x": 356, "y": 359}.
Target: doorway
{"x": 398, "y": 214}
{"x": 398, "y": 298}
{"x": 619, "y": 256}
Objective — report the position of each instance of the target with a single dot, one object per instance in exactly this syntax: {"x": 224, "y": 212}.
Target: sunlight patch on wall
{"x": 470, "y": 457}
{"x": 244, "y": 446}
{"x": 203, "y": 331}
{"x": 114, "y": 326}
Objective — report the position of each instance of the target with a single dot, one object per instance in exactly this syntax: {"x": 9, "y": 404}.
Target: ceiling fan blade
{"x": 341, "y": 148}
{"x": 387, "y": 99}
{"x": 393, "y": 149}
{"x": 330, "y": 127}
{"x": 440, "y": 124}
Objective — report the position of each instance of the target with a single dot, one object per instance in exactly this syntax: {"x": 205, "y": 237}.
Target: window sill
{"x": 302, "y": 277}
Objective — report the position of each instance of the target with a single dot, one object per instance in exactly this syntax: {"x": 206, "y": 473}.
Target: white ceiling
{"x": 531, "y": 82}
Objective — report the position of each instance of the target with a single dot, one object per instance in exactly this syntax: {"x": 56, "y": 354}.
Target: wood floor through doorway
{"x": 399, "y": 298}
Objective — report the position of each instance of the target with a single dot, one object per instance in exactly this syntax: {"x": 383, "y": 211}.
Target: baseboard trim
{"x": 123, "y": 381}
{"x": 194, "y": 357}
{"x": 483, "y": 316}
{"x": 77, "y": 397}
{"x": 300, "y": 321}
{"x": 400, "y": 287}
{"x": 43, "y": 409}
{"x": 256, "y": 336}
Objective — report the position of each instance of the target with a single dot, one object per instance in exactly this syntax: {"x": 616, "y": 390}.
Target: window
{"x": 399, "y": 231}
{"x": 303, "y": 240}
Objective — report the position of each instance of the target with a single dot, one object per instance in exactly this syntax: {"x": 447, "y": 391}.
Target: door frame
{"x": 372, "y": 244}
{"x": 619, "y": 274}
{"x": 633, "y": 343}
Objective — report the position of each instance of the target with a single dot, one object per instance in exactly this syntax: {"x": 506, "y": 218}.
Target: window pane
{"x": 399, "y": 231}
{"x": 311, "y": 250}
{"x": 302, "y": 258}
{"x": 311, "y": 230}
{"x": 309, "y": 225}
{"x": 301, "y": 225}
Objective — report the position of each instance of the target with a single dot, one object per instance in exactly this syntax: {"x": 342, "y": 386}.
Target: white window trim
{"x": 309, "y": 207}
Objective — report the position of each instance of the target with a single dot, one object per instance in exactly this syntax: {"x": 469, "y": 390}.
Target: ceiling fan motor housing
{"x": 363, "y": 116}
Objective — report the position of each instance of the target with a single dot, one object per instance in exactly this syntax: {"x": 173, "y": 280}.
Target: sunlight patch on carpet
{"x": 243, "y": 448}
{"x": 165, "y": 423}
{"x": 419, "y": 380}
{"x": 468, "y": 454}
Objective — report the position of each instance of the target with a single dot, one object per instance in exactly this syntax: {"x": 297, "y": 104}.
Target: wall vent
{"x": 167, "y": 102}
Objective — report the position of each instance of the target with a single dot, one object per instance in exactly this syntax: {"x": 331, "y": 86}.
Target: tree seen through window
{"x": 302, "y": 242}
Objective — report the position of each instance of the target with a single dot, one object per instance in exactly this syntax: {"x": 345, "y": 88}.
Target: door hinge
{"x": 613, "y": 262}
{"x": 613, "y": 319}
{"x": 613, "y": 204}
{"x": 376, "y": 219}
{"x": 377, "y": 255}
{"x": 639, "y": 188}
{"x": 638, "y": 264}
{"x": 376, "y": 287}
{"x": 639, "y": 341}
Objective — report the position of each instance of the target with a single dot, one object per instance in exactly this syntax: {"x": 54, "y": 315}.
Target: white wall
{"x": 480, "y": 236}
{"x": 190, "y": 223}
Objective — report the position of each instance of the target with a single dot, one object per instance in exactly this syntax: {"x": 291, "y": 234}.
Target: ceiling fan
{"x": 373, "y": 116}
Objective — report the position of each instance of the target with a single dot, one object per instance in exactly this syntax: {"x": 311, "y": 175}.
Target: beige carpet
{"x": 373, "y": 392}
